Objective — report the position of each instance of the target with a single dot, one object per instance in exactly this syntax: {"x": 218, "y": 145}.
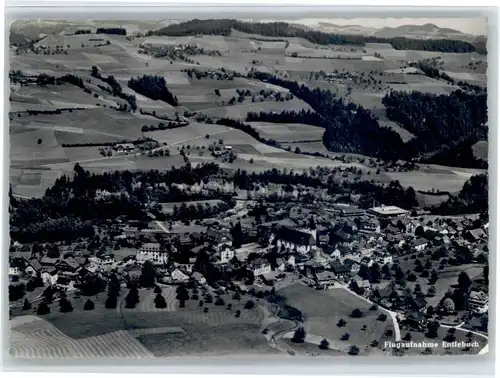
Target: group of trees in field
{"x": 116, "y": 31}
{"x": 164, "y": 126}
{"x": 391, "y": 194}
{"x": 116, "y": 88}
{"x": 153, "y": 87}
{"x": 200, "y": 211}
{"x": 44, "y": 79}
{"x": 287, "y": 116}
{"x": 284, "y": 30}
{"x": 66, "y": 210}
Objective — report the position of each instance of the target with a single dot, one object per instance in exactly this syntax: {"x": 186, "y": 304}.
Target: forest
{"x": 283, "y": 29}
{"x": 153, "y": 87}
{"x": 438, "y": 121}
{"x": 473, "y": 198}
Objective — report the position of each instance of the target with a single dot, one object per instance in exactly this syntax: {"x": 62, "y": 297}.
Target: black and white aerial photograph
{"x": 207, "y": 187}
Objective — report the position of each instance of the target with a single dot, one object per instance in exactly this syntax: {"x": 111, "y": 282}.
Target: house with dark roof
{"x": 475, "y": 235}
{"x": 415, "y": 320}
{"x": 478, "y": 301}
{"x": 294, "y": 240}
{"x": 260, "y": 266}
{"x": 324, "y": 279}
{"x": 419, "y": 244}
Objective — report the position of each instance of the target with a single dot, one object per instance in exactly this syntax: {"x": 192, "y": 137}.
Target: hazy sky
{"x": 476, "y": 26}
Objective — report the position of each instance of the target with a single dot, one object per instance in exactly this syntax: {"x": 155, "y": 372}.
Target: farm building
{"x": 120, "y": 147}
{"x": 388, "y": 211}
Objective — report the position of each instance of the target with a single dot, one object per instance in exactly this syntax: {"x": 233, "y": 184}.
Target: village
{"x": 420, "y": 269}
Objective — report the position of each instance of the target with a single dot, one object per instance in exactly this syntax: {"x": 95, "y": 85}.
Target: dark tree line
{"x": 83, "y": 31}
{"x": 284, "y": 30}
{"x": 116, "y": 31}
{"x": 438, "y": 121}
{"x": 116, "y": 88}
{"x": 287, "y": 116}
{"x": 153, "y": 87}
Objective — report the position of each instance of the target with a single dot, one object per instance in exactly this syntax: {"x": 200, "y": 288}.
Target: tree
{"x": 431, "y": 291}
{"x": 299, "y": 335}
{"x": 111, "y": 301}
{"x": 356, "y": 313}
{"x": 219, "y": 301}
{"x": 26, "y": 304}
{"x": 160, "y": 301}
{"x": 65, "y": 305}
{"x": 448, "y": 305}
{"x": 89, "y": 305}
{"x": 249, "y": 305}
{"x": 39, "y": 141}
{"x": 237, "y": 235}
{"x": 148, "y": 275}
{"x": 432, "y": 330}
{"x": 430, "y": 311}
{"x": 237, "y": 313}
{"x": 324, "y": 344}
{"x": 341, "y": 323}
{"x": 132, "y": 297}
{"x": 157, "y": 289}
{"x": 407, "y": 337}
{"x": 43, "y": 309}
{"x": 486, "y": 273}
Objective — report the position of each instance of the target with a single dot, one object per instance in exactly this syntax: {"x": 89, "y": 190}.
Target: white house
{"x": 49, "y": 279}
{"x": 293, "y": 240}
{"x": 260, "y": 266}
{"x": 382, "y": 258}
{"x": 225, "y": 254}
{"x": 152, "y": 252}
{"x": 478, "y": 301}
{"x": 178, "y": 276}
{"x": 14, "y": 271}
{"x": 419, "y": 244}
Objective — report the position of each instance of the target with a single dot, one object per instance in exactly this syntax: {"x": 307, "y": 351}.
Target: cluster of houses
{"x": 328, "y": 251}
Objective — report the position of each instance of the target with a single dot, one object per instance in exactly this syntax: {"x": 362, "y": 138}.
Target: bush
{"x": 324, "y": 344}
{"x": 341, "y": 323}
{"x": 356, "y": 313}
{"x": 353, "y": 350}
{"x": 373, "y": 308}
{"x": 89, "y": 305}
{"x": 238, "y": 313}
{"x": 345, "y": 337}
{"x": 382, "y": 317}
{"x": 407, "y": 337}
{"x": 205, "y": 309}
{"x": 249, "y": 305}
{"x": 237, "y": 296}
{"x": 157, "y": 290}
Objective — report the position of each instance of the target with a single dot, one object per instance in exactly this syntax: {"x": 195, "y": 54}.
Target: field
{"x": 322, "y": 311}
{"x": 240, "y": 52}
{"x": 141, "y": 332}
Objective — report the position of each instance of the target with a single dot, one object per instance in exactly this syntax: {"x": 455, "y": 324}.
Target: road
{"x": 459, "y": 327}
{"x": 162, "y": 227}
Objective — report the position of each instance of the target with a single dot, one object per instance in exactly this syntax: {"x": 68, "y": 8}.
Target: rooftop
{"x": 388, "y": 210}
